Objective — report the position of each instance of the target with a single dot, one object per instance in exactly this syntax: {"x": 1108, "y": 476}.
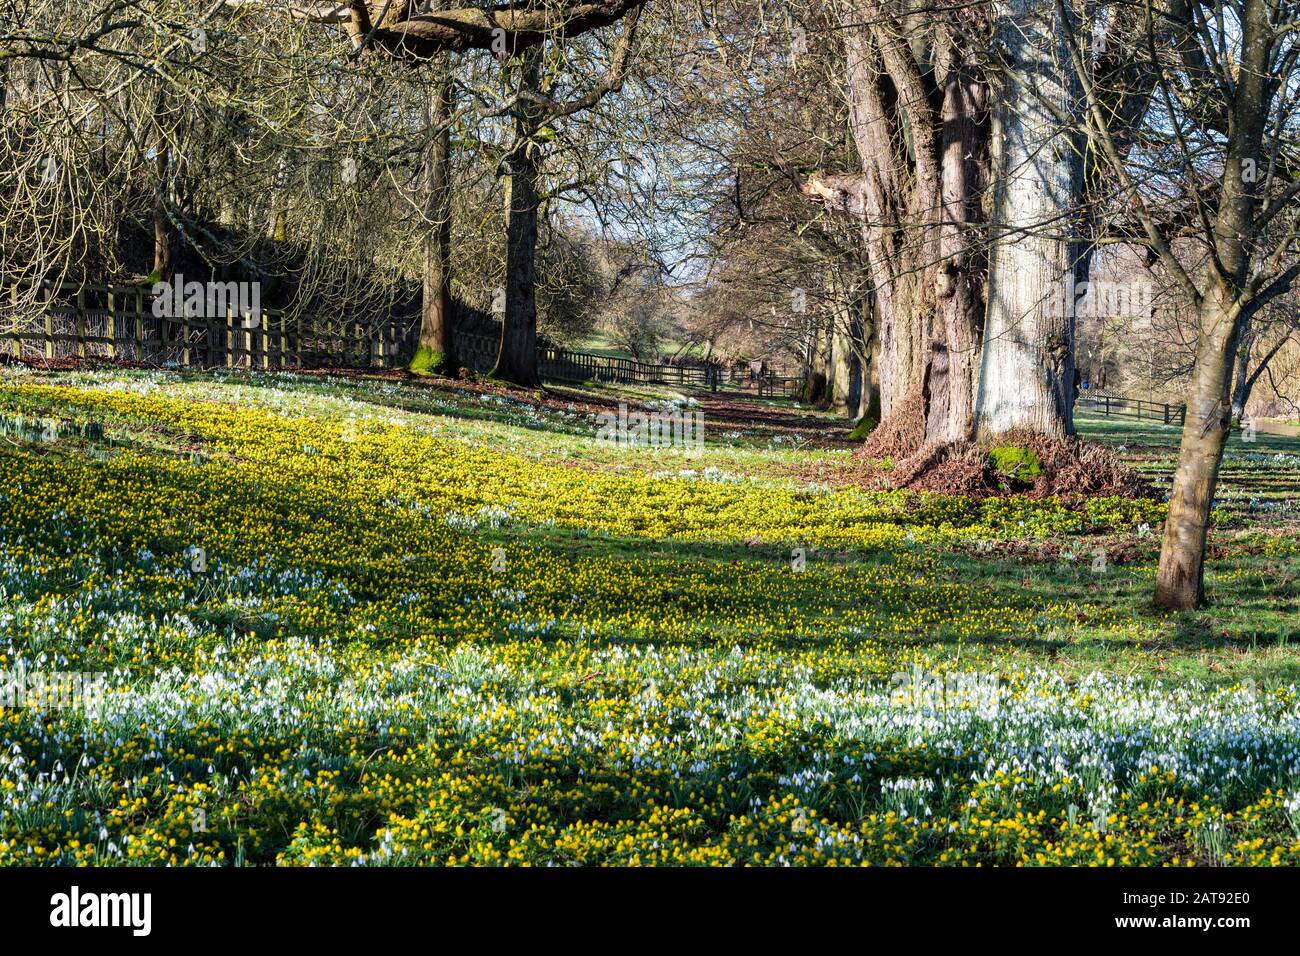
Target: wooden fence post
{"x": 209, "y": 341}
{"x": 256, "y": 341}
{"x": 49, "y": 325}
{"x": 110, "y": 324}
{"x": 187, "y": 321}
{"x": 137, "y": 330}
{"x": 79, "y": 321}
{"x": 18, "y": 342}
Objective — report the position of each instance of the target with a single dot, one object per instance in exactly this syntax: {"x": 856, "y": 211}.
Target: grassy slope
{"x": 1256, "y": 588}
{"x": 660, "y": 548}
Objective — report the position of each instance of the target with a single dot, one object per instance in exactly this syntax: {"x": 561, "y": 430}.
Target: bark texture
{"x": 436, "y": 351}
{"x": 1180, "y": 581}
{"x": 517, "y": 358}
{"x": 1027, "y": 375}
{"x": 919, "y": 119}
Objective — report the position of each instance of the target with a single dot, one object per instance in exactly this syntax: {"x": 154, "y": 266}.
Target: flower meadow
{"x": 368, "y": 631}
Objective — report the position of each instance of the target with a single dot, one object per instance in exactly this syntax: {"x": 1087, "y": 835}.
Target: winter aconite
{"x": 345, "y": 632}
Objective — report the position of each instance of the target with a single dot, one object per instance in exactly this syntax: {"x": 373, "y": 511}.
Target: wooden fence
{"x": 119, "y": 322}
{"x": 779, "y": 386}
{"x": 585, "y": 366}
{"x": 1140, "y": 408}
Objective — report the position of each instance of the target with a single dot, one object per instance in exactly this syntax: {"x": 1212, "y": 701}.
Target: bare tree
{"x": 1217, "y": 163}
{"x": 420, "y": 33}
{"x": 1264, "y": 338}
{"x": 534, "y": 111}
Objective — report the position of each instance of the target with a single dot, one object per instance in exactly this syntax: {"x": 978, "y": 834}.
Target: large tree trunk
{"x": 517, "y": 358}
{"x": 959, "y": 284}
{"x": 918, "y": 123}
{"x": 436, "y": 351}
{"x": 1180, "y": 581}
{"x": 879, "y": 197}
{"x": 1027, "y": 370}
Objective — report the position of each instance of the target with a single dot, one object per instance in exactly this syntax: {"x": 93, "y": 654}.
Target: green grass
{"x": 1253, "y": 579}
{"x": 354, "y": 528}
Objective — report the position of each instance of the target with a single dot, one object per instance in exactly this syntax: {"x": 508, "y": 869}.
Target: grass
{"x": 601, "y": 343}
{"x": 441, "y": 623}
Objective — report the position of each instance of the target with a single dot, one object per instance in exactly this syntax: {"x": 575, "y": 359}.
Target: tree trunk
{"x": 1180, "y": 581}
{"x": 868, "y": 404}
{"x": 959, "y": 282}
{"x": 1221, "y": 313}
{"x": 918, "y": 122}
{"x": 162, "y": 231}
{"x": 436, "y": 351}
{"x": 879, "y": 198}
{"x": 844, "y": 363}
{"x": 517, "y": 359}
{"x": 1027, "y": 368}
{"x": 1242, "y": 380}
{"x": 818, "y": 380}
{"x": 279, "y": 202}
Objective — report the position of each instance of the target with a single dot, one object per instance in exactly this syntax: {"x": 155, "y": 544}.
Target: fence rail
{"x": 779, "y": 386}
{"x": 119, "y": 322}
{"x": 586, "y": 366}
{"x": 1139, "y": 408}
